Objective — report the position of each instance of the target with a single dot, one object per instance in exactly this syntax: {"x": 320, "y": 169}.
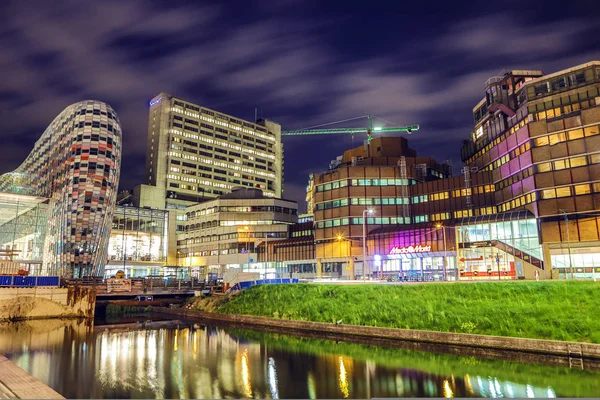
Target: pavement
{"x": 16, "y": 383}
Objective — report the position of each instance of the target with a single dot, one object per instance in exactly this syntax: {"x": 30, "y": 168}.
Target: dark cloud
{"x": 300, "y": 63}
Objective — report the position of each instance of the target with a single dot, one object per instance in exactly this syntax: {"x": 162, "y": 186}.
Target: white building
{"x": 224, "y": 234}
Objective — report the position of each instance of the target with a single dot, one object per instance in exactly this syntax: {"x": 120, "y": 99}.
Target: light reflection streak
{"x": 272, "y": 373}
{"x": 312, "y": 391}
{"x": 343, "y": 380}
{"x": 448, "y": 393}
{"x": 246, "y": 375}
{"x": 551, "y": 393}
{"x": 529, "y": 391}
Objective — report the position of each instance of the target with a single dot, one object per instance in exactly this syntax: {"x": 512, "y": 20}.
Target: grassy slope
{"x": 540, "y": 310}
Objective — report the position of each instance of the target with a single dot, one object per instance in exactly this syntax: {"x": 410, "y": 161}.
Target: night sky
{"x": 301, "y": 63}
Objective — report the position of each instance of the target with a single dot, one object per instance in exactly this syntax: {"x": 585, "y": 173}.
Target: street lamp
{"x": 440, "y": 226}
{"x": 568, "y": 243}
{"x": 364, "y": 214}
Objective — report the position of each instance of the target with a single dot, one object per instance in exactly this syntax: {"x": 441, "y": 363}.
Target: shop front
{"x": 578, "y": 261}
{"x": 500, "y": 246}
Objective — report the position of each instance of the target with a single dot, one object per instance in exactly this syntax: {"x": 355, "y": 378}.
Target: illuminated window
{"x": 591, "y": 131}
{"x": 548, "y": 194}
{"x": 595, "y": 158}
{"x": 578, "y": 161}
{"x": 560, "y": 164}
{"x": 596, "y": 187}
{"x": 557, "y": 138}
{"x": 541, "y": 141}
{"x": 582, "y": 189}
{"x": 544, "y": 167}
{"x": 563, "y": 192}
{"x": 575, "y": 134}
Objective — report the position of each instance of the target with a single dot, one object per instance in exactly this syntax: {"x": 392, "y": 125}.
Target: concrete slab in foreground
{"x": 15, "y": 383}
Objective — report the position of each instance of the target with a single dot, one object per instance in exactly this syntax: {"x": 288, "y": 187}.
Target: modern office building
{"x": 196, "y": 154}
{"x": 527, "y": 202}
{"x": 222, "y": 235}
{"x": 138, "y": 243}
{"x": 76, "y": 165}
{"x": 293, "y": 256}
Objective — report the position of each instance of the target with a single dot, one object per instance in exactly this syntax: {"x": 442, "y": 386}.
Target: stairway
{"x": 520, "y": 254}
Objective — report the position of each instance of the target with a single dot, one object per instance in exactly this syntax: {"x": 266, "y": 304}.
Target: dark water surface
{"x": 175, "y": 359}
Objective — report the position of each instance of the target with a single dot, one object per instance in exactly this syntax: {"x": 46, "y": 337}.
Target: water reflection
{"x": 184, "y": 360}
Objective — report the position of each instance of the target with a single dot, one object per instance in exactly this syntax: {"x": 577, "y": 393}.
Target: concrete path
{"x": 15, "y": 383}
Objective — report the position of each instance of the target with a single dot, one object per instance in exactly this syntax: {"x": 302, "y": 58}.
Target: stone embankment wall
{"x": 486, "y": 345}
{"x": 37, "y": 303}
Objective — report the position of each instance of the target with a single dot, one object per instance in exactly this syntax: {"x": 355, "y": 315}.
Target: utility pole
{"x": 365, "y": 212}
{"x": 568, "y": 244}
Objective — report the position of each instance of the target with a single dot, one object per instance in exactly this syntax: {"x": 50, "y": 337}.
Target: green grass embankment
{"x": 538, "y": 310}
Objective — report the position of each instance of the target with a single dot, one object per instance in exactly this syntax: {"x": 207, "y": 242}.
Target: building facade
{"x": 223, "y": 235}
{"x": 196, "y": 154}
{"x": 76, "y": 165}
{"x": 138, "y": 243}
{"x": 527, "y": 202}
{"x": 23, "y": 222}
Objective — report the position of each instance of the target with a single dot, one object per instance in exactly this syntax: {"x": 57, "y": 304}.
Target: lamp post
{"x": 568, "y": 244}
{"x": 443, "y": 228}
{"x": 364, "y": 214}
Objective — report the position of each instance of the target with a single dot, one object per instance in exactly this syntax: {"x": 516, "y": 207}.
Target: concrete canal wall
{"x": 46, "y": 302}
{"x": 571, "y": 353}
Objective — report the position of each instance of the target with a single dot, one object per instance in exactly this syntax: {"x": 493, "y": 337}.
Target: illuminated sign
{"x": 155, "y": 101}
{"x": 409, "y": 249}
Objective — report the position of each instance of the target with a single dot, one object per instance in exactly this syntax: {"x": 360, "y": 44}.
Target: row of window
{"x": 215, "y": 209}
{"x": 361, "y": 201}
{"x": 302, "y": 233}
{"x": 519, "y": 176}
{"x": 517, "y": 202}
{"x": 364, "y": 182}
{"x": 567, "y": 191}
{"x": 359, "y": 221}
{"x": 567, "y": 163}
{"x": 560, "y": 137}
{"x": 224, "y": 121}
{"x": 558, "y": 111}
{"x": 496, "y": 141}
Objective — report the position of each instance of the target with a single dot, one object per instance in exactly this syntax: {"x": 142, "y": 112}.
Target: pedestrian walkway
{"x": 16, "y": 383}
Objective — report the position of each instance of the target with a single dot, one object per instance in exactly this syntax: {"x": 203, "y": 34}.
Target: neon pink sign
{"x": 410, "y": 249}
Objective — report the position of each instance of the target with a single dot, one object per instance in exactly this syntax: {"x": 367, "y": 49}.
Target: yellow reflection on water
{"x": 312, "y": 391}
{"x": 246, "y": 375}
{"x": 448, "y": 393}
{"x": 175, "y": 348}
{"x": 343, "y": 379}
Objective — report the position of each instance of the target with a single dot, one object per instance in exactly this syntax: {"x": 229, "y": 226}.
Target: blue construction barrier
{"x": 28, "y": 281}
{"x": 247, "y": 284}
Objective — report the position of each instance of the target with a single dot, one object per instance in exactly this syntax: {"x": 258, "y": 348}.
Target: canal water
{"x": 178, "y": 359}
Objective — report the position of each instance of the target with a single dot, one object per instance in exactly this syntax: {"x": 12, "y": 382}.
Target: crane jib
{"x": 349, "y": 130}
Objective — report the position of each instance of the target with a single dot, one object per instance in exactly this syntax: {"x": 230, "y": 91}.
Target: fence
{"x": 28, "y": 281}
{"x": 247, "y": 284}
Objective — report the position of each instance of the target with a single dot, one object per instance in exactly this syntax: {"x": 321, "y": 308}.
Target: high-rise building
{"x": 76, "y": 164}
{"x": 526, "y": 204}
{"x": 196, "y": 154}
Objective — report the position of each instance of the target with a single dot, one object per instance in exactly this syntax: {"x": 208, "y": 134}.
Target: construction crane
{"x": 368, "y": 130}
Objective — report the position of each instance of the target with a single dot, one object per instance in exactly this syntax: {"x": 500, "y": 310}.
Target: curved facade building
{"x": 76, "y": 164}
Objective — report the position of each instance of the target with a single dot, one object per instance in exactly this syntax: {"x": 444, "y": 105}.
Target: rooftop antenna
{"x": 255, "y": 114}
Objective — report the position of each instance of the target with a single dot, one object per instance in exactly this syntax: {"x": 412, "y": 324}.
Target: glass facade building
{"x": 138, "y": 242}
{"x": 76, "y": 165}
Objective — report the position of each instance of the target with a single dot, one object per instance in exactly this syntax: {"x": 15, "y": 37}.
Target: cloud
{"x": 277, "y": 58}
